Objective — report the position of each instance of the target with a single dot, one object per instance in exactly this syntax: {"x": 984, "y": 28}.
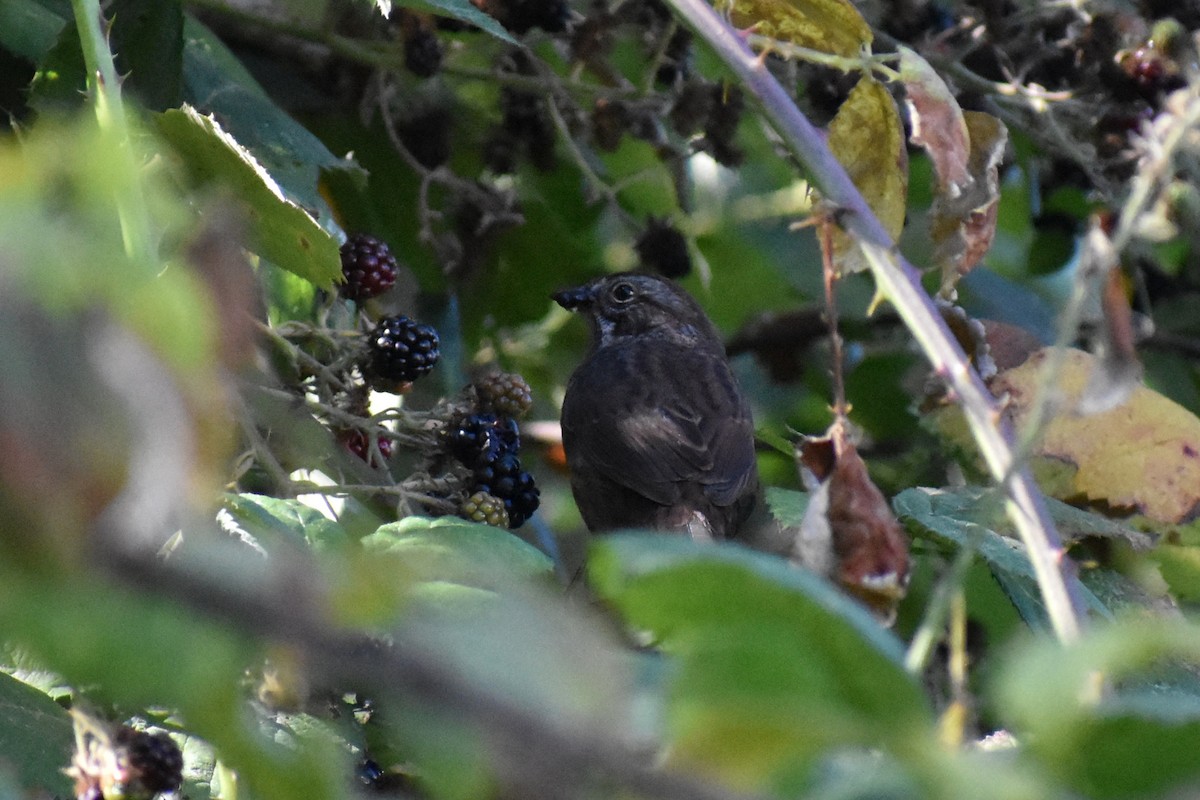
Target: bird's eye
{"x": 623, "y": 292}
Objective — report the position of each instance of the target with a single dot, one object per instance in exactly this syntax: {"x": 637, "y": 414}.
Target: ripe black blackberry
{"x": 402, "y": 349}
{"x": 155, "y": 762}
{"x": 506, "y": 393}
{"x": 475, "y": 434}
{"x": 485, "y": 508}
{"x": 662, "y": 248}
{"x": 368, "y": 267}
{"x": 489, "y": 445}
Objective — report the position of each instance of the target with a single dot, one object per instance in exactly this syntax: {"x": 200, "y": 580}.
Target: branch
{"x": 900, "y": 282}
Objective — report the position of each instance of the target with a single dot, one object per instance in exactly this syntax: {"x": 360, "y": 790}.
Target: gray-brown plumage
{"x": 656, "y": 429}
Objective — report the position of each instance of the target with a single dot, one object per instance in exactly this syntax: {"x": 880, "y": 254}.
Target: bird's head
{"x": 628, "y": 305}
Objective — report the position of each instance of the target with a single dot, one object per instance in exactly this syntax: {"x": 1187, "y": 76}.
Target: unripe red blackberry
{"x": 662, "y": 248}
{"x": 402, "y": 349}
{"x": 485, "y": 508}
{"x": 359, "y": 443}
{"x": 155, "y": 763}
{"x": 506, "y": 393}
{"x": 368, "y": 267}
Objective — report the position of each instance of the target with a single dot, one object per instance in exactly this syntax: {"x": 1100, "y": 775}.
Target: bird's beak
{"x": 575, "y": 299}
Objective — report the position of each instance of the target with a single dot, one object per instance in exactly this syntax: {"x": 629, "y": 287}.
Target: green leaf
{"x": 271, "y": 520}
{"x": 772, "y": 664}
{"x": 283, "y": 231}
{"x": 787, "y": 506}
{"x": 960, "y": 518}
{"x": 28, "y": 29}
{"x": 1139, "y": 740}
{"x": 465, "y": 11}
{"x": 147, "y": 38}
{"x": 452, "y": 550}
{"x": 216, "y": 83}
{"x": 36, "y": 737}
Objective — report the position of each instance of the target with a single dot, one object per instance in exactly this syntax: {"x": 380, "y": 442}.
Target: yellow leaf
{"x": 867, "y": 137}
{"x": 831, "y": 26}
{"x": 1143, "y": 456}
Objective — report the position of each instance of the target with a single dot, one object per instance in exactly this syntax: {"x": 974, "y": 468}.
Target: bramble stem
{"x": 900, "y": 282}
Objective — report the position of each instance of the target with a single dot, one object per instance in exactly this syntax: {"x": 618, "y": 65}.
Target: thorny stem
{"x": 104, "y": 87}
{"x": 900, "y": 283}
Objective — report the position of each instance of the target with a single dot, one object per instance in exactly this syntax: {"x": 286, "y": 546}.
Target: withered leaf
{"x": 1141, "y": 457}
{"x": 867, "y": 137}
{"x": 849, "y": 531}
{"x": 831, "y": 26}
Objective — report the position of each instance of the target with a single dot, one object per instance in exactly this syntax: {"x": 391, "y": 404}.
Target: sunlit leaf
{"x": 283, "y": 232}
{"x": 832, "y": 26}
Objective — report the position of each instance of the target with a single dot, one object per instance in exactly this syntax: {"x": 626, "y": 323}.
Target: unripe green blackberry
{"x": 402, "y": 349}
{"x": 368, "y": 267}
{"x": 155, "y": 763}
{"x": 662, "y": 248}
{"x": 506, "y": 393}
{"x": 485, "y": 508}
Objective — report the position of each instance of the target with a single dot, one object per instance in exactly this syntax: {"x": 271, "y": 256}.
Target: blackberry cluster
{"x": 489, "y": 445}
{"x": 520, "y": 16}
{"x": 662, "y": 248}
{"x": 368, "y": 267}
{"x": 402, "y": 349}
{"x": 677, "y": 58}
{"x": 155, "y": 761}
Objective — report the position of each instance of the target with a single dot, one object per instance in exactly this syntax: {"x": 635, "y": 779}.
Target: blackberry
{"x": 155, "y": 762}
{"x": 402, "y": 349}
{"x": 368, "y": 267}
{"x": 662, "y": 248}
{"x": 359, "y": 443}
{"x": 485, "y": 508}
{"x": 506, "y": 393}
{"x": 471, "y": 437}
{"x": 523, "y": 502}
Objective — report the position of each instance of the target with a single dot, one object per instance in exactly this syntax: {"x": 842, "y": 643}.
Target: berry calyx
{"x": 402, "y": 349}
{"x": 485, "y": 508}
{"x": 368, "y": 267}
{"x": 506, "y": 393}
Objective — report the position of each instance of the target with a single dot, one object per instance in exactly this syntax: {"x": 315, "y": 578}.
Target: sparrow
{"x": 657, "y": 431}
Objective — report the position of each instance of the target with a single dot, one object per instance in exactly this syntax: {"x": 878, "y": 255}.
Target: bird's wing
{"x": 678, "y": 421}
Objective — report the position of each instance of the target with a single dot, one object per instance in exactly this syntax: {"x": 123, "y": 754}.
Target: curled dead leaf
{"x": 849, "y": 532}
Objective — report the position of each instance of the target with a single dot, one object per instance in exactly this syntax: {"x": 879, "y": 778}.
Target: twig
{"x": 900, "y": 283}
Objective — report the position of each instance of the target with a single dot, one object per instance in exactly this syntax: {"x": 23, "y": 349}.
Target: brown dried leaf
{"x": 962, "y": 226}
{"x": 867, "y": 137}
{"x": 937, "y": 123}
{"x": 831, "y": 26}
{"x": 849, "y": 531}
